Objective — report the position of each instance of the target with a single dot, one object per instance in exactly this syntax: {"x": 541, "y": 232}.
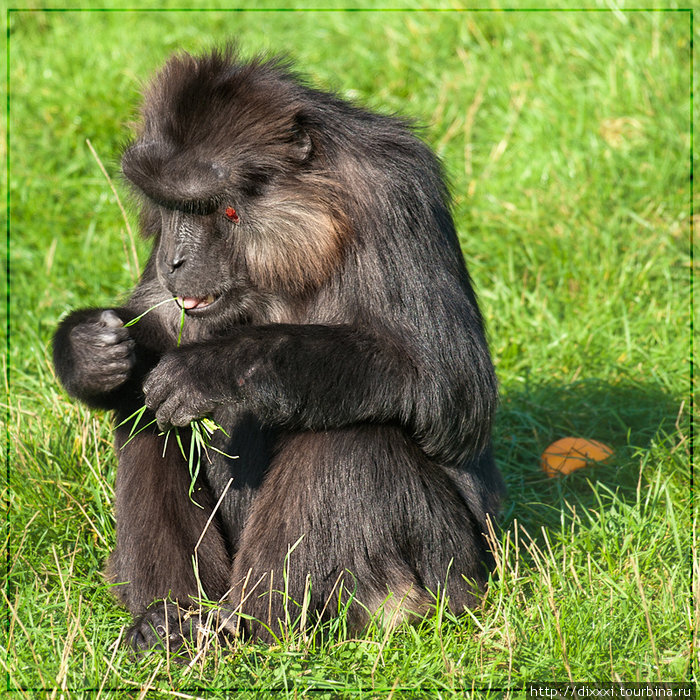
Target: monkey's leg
{"x": 361, "y": 512}
{"x": 159, "y": 555}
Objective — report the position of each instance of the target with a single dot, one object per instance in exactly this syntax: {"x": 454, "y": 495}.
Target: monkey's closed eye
{"x": 232, "y": 215}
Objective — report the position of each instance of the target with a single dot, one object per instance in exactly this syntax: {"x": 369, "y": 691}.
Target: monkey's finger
{"x": 155, "y": 390}
{"x": 111, "y": 336}
{"x": 117, "y": 364}
{"x": 166, "y": 410}
{"x": 122, "y": 335}
{"x": 120, "y": 351}
{"x": 110, "y": 319}
{"x": 154, "y": 401}
{"x": 178, "y": 410}
{"x": 185, "y": 414}
{"x": 115, "y": 380}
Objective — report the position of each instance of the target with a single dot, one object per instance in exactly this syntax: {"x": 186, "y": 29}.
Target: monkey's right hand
{"x": 96, "y": 355}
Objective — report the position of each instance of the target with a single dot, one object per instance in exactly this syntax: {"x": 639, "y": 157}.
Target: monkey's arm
{"x": 310, "y": 376}
{"x": 315, "y": 377}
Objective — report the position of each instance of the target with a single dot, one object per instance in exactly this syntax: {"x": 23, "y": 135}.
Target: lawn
{"x": 566, "y": 138}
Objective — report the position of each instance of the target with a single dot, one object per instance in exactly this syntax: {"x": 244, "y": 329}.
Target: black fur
{"x": 335, "y": 336}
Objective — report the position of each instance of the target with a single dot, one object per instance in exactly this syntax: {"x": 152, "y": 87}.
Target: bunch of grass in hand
{"x": 201, "y": 429}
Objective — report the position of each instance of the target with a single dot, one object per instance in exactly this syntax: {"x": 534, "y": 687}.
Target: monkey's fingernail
{"x": 110, "y": 319}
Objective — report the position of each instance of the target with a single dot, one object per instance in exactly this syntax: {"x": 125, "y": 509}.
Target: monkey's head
{"x": 234, "y": 185}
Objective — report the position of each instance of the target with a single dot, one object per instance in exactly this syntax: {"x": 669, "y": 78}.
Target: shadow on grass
{"x": 627, "y": 417}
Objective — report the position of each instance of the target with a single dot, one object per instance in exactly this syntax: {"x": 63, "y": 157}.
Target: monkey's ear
{"x": 301, "y": 141}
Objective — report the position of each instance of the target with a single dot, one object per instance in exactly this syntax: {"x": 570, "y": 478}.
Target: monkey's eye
{"x": 232, "y": 215}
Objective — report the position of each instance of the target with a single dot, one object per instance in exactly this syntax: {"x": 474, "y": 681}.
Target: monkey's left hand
{"x": 180, "y": 389}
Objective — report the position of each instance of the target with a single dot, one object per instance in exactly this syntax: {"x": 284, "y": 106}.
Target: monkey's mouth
{"x": 197, "y": 305}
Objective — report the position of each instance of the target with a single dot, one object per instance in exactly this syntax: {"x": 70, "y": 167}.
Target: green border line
{"x": 496, "y": 10}
{"x": 6, "y": 372}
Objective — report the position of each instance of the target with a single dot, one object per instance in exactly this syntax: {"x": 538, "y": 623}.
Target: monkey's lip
{"x": 195, "y": 305}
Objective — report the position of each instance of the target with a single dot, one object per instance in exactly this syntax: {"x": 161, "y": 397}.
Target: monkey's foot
{"x": 164, "y": 625}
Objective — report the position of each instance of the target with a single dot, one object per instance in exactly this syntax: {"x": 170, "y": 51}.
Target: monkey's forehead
{"x": 175, "y": 178}
{"x": 210, "y": 126}
{"x": 216, "y": 96}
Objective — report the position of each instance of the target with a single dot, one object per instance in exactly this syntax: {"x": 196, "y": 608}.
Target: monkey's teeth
{"x": 195, "y": 303}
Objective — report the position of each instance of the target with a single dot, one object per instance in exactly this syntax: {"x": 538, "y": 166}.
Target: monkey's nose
{"x": 176, "y": 262}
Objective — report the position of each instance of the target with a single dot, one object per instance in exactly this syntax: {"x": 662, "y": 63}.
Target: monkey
{"x": 331, "y": 330}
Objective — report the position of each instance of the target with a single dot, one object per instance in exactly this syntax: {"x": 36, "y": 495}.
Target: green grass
{"x": 566, "y": 139}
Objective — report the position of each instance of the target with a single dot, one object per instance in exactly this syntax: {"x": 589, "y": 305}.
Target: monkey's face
{"x": 233, "y": 168}
{"x": 229, "y": 223}
{"x": 195, "y": 258}
{"x": 257, "y": 219}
